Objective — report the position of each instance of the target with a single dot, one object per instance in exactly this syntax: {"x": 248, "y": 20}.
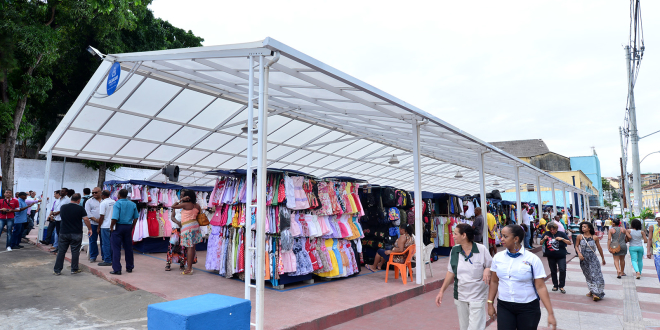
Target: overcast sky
{"x": 500, "y": 70}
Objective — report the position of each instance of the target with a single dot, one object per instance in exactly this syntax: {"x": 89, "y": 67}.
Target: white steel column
{"x": 419, "y": 242}
{"x": 588, "y": 206}
{"x": 554, "y": 201}
{"x": 261, "y": 194}
{"x": 44, "y": 195}
{"x": 518, "y": 204}
{"x": 565, "y": 205}
{"x": 249, "y": 250}
{"x": 538, "y": 196}
{"x": 483, "y": 202}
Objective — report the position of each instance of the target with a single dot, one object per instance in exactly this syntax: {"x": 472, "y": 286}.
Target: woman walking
{"x": 519, "y": 277}
{"x": 469, "y": 271}
{"x": 555, "y": 243}
{"x": 587, "y": 244}
{"x": 653, "y": 245}
{"x": 616, "y": 243}
{"x": 190, "y": 233}
{"x": 637, "y": 241}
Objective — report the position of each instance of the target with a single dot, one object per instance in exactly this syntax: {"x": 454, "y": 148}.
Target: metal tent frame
{"x": 194, "y": 108}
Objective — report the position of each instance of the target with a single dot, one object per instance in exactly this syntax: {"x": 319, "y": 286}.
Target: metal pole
{"x": 261, "y": 193}
{"x": 554, "y": 200}
{"x": 249, "y": 250}
{"x": 538, "y": 196}
{"x": 419, "y": 271}
{"x": 63, "y": 170}
{"x": 564, "y": 196}
{"x": 483, "y": 202}
{"x": 518, "y": 204}
{"x": 44, "y": 195}
{"x": 634, "y": 137}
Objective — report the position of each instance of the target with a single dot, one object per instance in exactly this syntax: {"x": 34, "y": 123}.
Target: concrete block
{"x": 208, "y": 311}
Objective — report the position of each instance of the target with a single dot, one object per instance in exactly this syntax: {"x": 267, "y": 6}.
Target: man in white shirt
{"x": 599, "y": 224}
{"x": 92, "y": 207}
{"x": 105, "y": 219}
{"x": 527, "y": 221}
{"x": 32, "y": 196}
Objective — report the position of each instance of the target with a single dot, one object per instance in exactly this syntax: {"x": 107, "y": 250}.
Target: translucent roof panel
{"x": 190, "y": 107}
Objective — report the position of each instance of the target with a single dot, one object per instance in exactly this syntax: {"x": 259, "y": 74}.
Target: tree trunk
{"x": 9, "y": 147}
{"x": 102, "y": 169}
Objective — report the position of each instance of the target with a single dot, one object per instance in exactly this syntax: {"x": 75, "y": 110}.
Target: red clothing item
{"x": 152, "y": 223}
{"x": 8, "y": 204}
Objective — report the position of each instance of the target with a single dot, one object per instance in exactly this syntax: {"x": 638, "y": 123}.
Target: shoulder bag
{"x": 615, "y": 246}
{"x": 202, "y": 219}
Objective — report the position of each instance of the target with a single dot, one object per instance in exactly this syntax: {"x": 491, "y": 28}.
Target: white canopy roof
{"x": 187, "y": 107}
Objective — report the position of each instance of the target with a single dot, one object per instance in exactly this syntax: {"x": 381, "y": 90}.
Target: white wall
{"x": 29, "y": 175}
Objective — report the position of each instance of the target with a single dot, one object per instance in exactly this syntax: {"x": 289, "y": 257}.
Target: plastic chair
{"x": 405, "y": 268}
{"x": 427, "y": 258}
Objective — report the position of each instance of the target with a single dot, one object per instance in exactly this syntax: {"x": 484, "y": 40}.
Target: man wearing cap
{"x": 20, "y": 218}
{"x": 653, "y": 244}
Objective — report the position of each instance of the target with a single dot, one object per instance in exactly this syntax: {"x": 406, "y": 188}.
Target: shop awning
{"x": 188, "y": 106}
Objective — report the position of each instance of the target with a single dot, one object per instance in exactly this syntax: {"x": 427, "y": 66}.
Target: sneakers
{"x": 104, "y": 264}
{"x": 57, "y": 273}
{"x": 92, "y": 260}
{"x": 8, "y": 249}
{"x": 77, "y": 271}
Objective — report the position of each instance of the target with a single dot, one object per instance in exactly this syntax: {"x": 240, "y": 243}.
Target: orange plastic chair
{"x": 405, "y": 268}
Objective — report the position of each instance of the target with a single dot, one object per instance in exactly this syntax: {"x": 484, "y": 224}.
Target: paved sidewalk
{"x": 628, "y": 304}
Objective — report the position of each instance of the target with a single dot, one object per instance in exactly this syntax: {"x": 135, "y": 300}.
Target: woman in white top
{"x": 519, "y": 278}
{"x": 637, "y": 241}
{"x": 469, "y": 271}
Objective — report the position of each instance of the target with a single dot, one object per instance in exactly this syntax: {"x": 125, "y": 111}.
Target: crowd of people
{"x": 515, "y": 277}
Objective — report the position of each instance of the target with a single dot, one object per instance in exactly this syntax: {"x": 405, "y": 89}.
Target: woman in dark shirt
{"x": 555, "y": 243}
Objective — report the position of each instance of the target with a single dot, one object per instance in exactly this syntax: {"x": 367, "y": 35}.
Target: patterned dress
{"x": 591, "y": 267}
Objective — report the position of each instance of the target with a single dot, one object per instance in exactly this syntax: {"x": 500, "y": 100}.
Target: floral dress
{"x": 190, "y": 233}
{"x": 591, "y": 267}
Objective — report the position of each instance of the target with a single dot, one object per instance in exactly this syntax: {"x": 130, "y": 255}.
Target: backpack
{"x": 403, "y": 215}
{"x": 394, "y": 216}
{"x": 399, "y": 198}
{"x": 410, "y": 216}
{"x": 389, "y": 197}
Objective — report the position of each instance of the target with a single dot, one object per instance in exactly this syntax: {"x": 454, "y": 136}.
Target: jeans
{"x": 528, "y": 236}
{"x": 93, "y": 247}
{"x": 56, "y": 240}
{"x": 10, "y": 227}
{"x": 66, "y": 240}
{"x": 29, "y": 225}
{"x": 105, "y": 245}
{"x": 637, "y": 257}
{"x": 553, "y": 263}
{"x": 52, "y": 226}
{"x": 122, "y": 235}
{"x": 656, "y": 259}
{"x": 16, "y": 234}
{"x": 521, "y": 316}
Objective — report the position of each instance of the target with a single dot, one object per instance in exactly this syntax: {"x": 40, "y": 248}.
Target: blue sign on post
{"x": 113, "y": 77}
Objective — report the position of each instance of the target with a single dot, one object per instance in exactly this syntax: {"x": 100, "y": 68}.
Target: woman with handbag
{"x": 176, "y": 252}
{"x": 586, "y": 245}
{"x": 616, "y": 244}
{"x": 190, "y": 233}
{"x": 555, "y": 243}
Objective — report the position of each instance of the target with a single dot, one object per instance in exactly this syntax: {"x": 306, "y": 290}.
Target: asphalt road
{"x": 33, "y": 298}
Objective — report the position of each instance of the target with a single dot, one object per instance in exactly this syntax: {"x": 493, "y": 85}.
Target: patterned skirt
{"x": 190, "y": 234}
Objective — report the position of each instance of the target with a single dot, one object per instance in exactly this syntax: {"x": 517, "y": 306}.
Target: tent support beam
{"x": 249, "y": 251}
{"x": 518, "y": 204}
{"x": 564, "y": 196}
{"x": 538, "y": 198}
{"x": 483, "y": 202}
{"x": 261, "y": 195}
{"x": 419, "y": 242}
{"x": 44, "y": 196}
{"x": 554, "y": 201}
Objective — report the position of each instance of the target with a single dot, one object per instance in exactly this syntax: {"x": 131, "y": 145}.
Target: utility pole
{"x": 624, "y": 197}
{"x": 634, "y": 137}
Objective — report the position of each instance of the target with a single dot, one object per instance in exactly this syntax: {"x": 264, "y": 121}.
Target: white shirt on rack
{"x": 515, "y": 274}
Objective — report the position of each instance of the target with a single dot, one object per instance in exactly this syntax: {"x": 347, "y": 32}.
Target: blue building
{"x": 590, "y": 166}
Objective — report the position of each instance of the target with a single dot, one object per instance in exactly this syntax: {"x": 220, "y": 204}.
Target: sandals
{"x": 595, "y": 298}
{"x": 638, "y": 276}
{"x": 555, "y": 288}
{"x": 618, "y": 276}
{"x": 369, "y": 268}
{"x": 184, "y": 273}
{"x": 590, "y": 294}
{"x": 562, "y": 290}
{"x": 167, "y": 268}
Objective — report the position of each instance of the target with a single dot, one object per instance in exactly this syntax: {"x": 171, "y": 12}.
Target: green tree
{"x": 43, "y": 57}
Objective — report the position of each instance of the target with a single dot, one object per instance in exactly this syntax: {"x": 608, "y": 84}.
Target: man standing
{"x": 574, "y": 229}
{"x": 104, "y": 227}
{"x": 599, "y": 224}
{"x": 20, "y": 218}
{"x": 92, "y": 207}
{"x": 527, "y": 221}
{"x": 86, "y": 196}
{"x": 124, "y": 217}
{"x": 51, "y": 219}
{"x": 8, "y": 206}
{"x": 64, "y": 199}
{"x": 492, "y": 223}
{"x": 31, "y": 212}
{"x": 478, "y": 226}
{"x": 72, "y": 216}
